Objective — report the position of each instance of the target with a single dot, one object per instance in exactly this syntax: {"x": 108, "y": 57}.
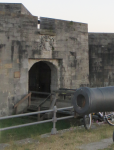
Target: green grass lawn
{"x": 29, "y": 131}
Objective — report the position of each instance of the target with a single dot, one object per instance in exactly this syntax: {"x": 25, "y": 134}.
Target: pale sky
{"x": 98, "y": 14}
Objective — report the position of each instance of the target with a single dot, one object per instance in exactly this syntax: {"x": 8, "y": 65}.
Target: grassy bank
{"x": 30, "y": 131}
{"x": 69, "y": 140}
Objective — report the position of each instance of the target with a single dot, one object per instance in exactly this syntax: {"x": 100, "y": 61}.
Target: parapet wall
{"x": 14, "y": 8}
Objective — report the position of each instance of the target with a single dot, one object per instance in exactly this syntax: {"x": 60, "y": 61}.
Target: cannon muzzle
{"x": 88, "y": 100}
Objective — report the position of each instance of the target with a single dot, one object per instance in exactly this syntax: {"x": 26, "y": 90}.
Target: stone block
{"x": 17, "y": 74}
{"x": 18, "y": 61}
{"x": 8, "y": 66}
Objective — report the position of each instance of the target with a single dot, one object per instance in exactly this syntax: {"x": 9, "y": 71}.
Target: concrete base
{"x": 53, "y": 131}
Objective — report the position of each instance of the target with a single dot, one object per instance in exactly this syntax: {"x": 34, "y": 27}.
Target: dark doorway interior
{"x": 40, "y": 77}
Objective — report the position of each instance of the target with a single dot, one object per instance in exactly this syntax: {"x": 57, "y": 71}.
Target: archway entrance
{"x": 40, "y": 77}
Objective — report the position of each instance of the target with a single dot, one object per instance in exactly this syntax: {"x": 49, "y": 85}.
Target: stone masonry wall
{"x": 16, "y": 32}
{"x": 70, "y": 45}
{"x": 64, "y": 48}
{"x": 14, "y": 8}
{"x": 101, "y": 59}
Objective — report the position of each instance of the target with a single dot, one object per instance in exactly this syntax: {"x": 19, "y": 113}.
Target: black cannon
{"x": 88, "y": 100}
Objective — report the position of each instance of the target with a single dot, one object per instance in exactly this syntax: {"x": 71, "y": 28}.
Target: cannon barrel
{"x": 88, "y": 100}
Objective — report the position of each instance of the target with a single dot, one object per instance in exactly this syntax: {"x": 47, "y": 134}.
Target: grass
{"x": 69, "y": 140}
{"x": 65, "y": 141}
{"x": 29, "y": 131}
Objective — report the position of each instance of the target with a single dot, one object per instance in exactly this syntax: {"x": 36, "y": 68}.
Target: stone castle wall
{"x": 14, "y": 8}
{"x": 71, "y": 46}
{"x": 101, "y": 59}
{"x": 63, "y": 45}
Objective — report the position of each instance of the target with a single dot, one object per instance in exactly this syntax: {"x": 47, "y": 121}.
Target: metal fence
{"x": 54, "y": 119}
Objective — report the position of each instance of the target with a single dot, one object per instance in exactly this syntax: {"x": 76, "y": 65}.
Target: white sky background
{"x": 99, "y": 14}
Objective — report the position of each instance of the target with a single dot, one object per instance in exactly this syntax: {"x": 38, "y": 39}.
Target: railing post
{"x": 16, "y": 110}
{"x": 39, "y": 114}
{"x": 51, "y": 99}
{"x": 29, "y": 103}
{"x": 54, "y": 130}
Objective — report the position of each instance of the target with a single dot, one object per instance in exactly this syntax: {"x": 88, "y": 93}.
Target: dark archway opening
{"x": 40, "y": 77}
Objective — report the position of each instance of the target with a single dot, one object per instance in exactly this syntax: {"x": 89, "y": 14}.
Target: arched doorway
{"x": 40, "y": 77}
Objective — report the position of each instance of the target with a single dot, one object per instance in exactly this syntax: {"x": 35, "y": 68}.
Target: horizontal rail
{"x": 34, "y": 92}
{"x": 54, "y": 119}
{"x": 29, "y": 124}
{"x": 26, "y": 114}
{"x": 24, "y": 125}
{"x": 67, "y": 89}
{"x": 64, "y": 92}
{"x": 62, "y": 118}
{"x": 65, "y": 108}
{"x": 33, "y": 113}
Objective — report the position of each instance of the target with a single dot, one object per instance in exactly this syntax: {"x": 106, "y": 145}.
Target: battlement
{"x": 14, "y": 8}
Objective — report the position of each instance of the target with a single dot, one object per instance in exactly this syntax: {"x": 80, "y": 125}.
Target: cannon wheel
{"x": 110, "y": 118}
{"x": 87, "y": 121}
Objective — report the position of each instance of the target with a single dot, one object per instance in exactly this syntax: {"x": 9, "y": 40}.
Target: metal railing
{"x": 54, "y": 119}
{"x": 28, "y": 96}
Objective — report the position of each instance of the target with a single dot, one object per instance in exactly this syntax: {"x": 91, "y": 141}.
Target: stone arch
{"x": 53, "y": 65}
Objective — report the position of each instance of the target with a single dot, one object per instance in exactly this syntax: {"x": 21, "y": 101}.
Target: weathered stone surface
{"x": 17, "y": 74}
{"x": 62, "y": 45}
{"x": 101, "y": 62}
{"x": 14, "y": 8}
{"x": 8, "y": 66}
